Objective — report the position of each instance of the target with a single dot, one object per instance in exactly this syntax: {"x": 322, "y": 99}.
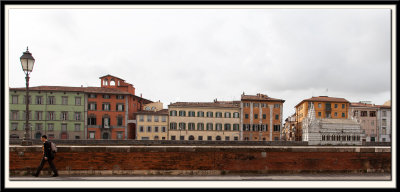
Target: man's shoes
{"x": 55, "y": 175}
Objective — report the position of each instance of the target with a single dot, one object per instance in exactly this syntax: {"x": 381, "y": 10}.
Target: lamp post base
{"x": 26, "y": 143}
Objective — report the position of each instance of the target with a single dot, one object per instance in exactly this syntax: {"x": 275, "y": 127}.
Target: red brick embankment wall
{"x": 202, "y": 160}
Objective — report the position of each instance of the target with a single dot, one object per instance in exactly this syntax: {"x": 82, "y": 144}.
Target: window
{"x": 384, "y": 122}
{"x": 236, "y": 138}
{"x": 384, "y": 113}
{"x": 149, "y": 118}
{"x": 218, "y": 127}
{"x": 149, "y": 129}
{"x": 319, "y": 114}
{"x": 319, "y": 105}
{"x": 246, "y": 116}
{"x": 14, "y": 126}
{"x": 173, "y": 137}
{"x": 64, "y": 115}
{"x": 335, "y": 114}
{"x": 343, "y": 106}
{"x": 383, "y": 130}
{"x": 64, "y": 127}
{"x": 51, "y": 115}
{"x": 227, "y": 115}
{"x": 277, "y": 105}
{"x": 120, "y": 120}
{"x": 255, "y": 116}
{"x": 120, "y": 107}
{"x": 156, "y": 137}
{"x": 163, "y": 118}
{"x": 39, "y": 115}
{"x": 276, "y": 117}
{"x": 191, "y": 126}
{"x": 92, "y": 106}
{"x": 14, "y": 99}
{"x": 172, "y": 113}
{"x": 277, "y": 127}
{"x": 200, "y": 114}
{"x": 106, "y": 96}
{"x": 106, "y": 107}
{"x": 191, "y": 113}
{"x": 372, "y": 114}
{"x": 264, "y": 116}
{"x": 155, "y": 118}
{"x": 77, "y": 116}
{"x": 120, "y": 97}
{"x": 364, "y": 113}
{"x": 141, "y": 118}
{"x": 200, "y": 138}
{"x": 39, "y": 100}
{"x": 227, "y": 138}
{"x": 209, "y": 114}
{"x": 141, "y": 129}
{"x": 247, "y": 104}
{"x": 182, "y": 126}
{"x": 209, "y": 138}
{"x": 218, "y": 138}
{"x": 91, "y": 134}
{"x": 209, "y": 126}
{"x": 92, "y": 120}
{"x": 106, "y": 121}
{"x": 173, "y": 126}
{"x": 235, "y": 127}
{"x": 163, "y": 129}
{"x": 156, "y": 129}
{"x": 255, "y": 105}
{"x": 227, "y": 127}
{"x": 50, "y": 127}
{"x": 235, "y": 115}
{"x": 182, "y": 138}
{"x": 182, "y": 113}
{"x": 64, "y": 100}
{"x": 92, "y": 96}
{"x": 77, "y": 127}
{"x": 276, "y": 139}
{"x": 200, "y": 126}
{"x": 14, "y": 115}
{"x": 218, "y": 114}
{"x": 336, "y": 106}
{"x": 343, "y": 115}
{"x": 30, "y": 102}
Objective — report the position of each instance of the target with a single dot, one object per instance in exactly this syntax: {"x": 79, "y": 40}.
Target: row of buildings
{"x": 113, "y": 111}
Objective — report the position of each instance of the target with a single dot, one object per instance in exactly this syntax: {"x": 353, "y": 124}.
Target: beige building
{"x": 152, "y": 125}
{"x": 204, "y": 121}
{"x": 366, "y": 114}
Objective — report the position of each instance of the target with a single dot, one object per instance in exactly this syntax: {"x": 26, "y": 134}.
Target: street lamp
{"x": 27, "y": 62}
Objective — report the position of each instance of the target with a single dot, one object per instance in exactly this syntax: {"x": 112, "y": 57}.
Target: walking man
{"x": 48, "y": 156}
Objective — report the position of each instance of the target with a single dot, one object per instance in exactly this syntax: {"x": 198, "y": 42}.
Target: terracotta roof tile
{"x": 325, "y": 99}
{"x": 259, "y": 97}
{"x": 205, "y": 104}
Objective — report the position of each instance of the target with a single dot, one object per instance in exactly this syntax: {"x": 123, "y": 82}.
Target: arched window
{"x": 105, "y": 82}
{"x": 218, "y": 138}
{"x": 191, "y": 137}
{"x": 112, "y": 82}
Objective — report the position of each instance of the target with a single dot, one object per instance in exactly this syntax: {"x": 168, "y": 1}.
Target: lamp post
{"x": 27, "y": 62}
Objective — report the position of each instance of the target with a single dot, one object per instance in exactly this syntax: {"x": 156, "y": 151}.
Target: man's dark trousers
{"x": 52, "y": 166}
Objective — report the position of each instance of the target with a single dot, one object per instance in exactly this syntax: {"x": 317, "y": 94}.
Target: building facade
{"x": 366, "y": 114}
{"x": 289, "y": 128}
{"x": 384, "y": 122}
{"x": 204, "y": 121}
{"x": 58, "y": 112}
{"x": 324, "y": 106}
{"x": 152, "y": 124}
{"x": 261, "y": 118}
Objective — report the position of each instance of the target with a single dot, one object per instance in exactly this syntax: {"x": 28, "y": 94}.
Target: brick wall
{"x": 196, "y": 160}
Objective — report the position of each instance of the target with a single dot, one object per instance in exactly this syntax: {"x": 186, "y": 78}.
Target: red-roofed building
{"x": 324, "y": 106}
{"x": 111, "y": 108}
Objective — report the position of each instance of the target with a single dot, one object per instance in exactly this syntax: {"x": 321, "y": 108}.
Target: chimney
{"x": 140, "y": 95}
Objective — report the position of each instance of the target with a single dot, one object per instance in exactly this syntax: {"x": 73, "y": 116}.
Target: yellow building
{"x": 204, "y": 121}
{"x": 152, "y": 125}
{"x": 325, "y": 107}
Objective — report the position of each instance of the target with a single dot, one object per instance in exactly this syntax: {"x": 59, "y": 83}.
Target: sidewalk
{"x": 275, "y": 177}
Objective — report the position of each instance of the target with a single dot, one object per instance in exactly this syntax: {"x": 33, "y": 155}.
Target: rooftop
{"x": 160, "y": 112}
{"x": 259, "y": 97}
{"x": 325, "y": 99}
{"x": 223, "y": 104}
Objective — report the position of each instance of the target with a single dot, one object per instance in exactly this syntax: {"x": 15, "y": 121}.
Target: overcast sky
{"x": 202, "y": 54}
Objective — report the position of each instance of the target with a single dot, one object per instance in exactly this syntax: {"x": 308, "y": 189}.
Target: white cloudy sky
{"x": 202, "y": 54}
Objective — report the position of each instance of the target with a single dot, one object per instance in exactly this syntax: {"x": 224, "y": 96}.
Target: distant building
{"x": 324, "y": 106}
{"x": 261, "y": 117}
{"x": 152, "y": 124}
{"x": 366, "y": 114}
{"x": 58, "y": 112}
{"x": 329, "y": 131}
{"x": 204, "y": 121}
{"x": 384, "y": 122}
{"x": 289, "y": 128}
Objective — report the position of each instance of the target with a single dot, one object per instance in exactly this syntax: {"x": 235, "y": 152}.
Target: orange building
{"x": 261, "y": 117}
{"x": 324, "y": 106}
{"x": 111, "y": 108}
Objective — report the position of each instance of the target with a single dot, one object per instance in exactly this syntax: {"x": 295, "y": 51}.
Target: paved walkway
{"x": 275, "y": 177}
